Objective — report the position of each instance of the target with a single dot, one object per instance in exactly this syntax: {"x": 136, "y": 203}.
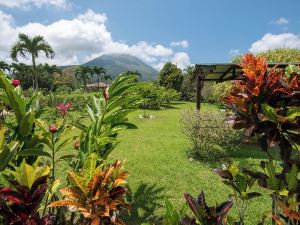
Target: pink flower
{"x": 15, "y": 83}
{"x": 63, "y": 108}
{"x": 53, "y": 128}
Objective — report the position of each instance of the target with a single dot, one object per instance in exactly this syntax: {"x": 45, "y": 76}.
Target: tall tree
{"x": 83, "y": 74}
{"x": 98, "y": 71}
{"x": 170, "y": 76}
{"x": 32, "y": 46}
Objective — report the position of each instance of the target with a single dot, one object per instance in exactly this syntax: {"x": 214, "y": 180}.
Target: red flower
{"x": 15, "y": 83}
{"x": 63, "y": 108}
{"x": 53, "y": 128}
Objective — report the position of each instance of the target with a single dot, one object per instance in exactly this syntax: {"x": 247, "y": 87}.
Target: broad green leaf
{"x": 2, "y": 137}
{"x": 269, "y": 111}
{"x": 7, "y": 153}
{"x": 16, "y": 101}
{"x": 272, "y": 181}
{"x": 91, "y": 114}
{"x": 33, "y": 152}
{"x": 26, "y": 123}
{"x": 291, "y": 178}
{"x": 293, "y": 112}
{"x": 65, "y": 157}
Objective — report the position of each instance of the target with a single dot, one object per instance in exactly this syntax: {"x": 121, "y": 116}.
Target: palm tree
{"x": 106, "y": 77}
{"x": 83, "y": 74}
{"x": 4, "y": 66}
{"x": 27, "y": 45}
{"x": 98, "y": 71}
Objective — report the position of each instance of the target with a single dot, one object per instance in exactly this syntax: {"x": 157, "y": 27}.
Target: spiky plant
{"x": 96, "y": 192}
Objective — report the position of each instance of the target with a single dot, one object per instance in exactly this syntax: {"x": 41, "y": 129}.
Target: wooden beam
{"x": 198, "y": 92}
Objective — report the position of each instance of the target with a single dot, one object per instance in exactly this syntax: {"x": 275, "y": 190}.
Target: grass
{"x": 155, "y": 151}
{"x": 156, "y": 157}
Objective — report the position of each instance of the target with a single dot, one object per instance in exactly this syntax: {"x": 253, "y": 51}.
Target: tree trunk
{"x": 35, "y": 80}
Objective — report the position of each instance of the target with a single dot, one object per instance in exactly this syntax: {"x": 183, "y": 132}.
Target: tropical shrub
{"x": 107, "y": 117}
{"x": 96, "y": 192}
{"x": 19, "y": 202}
{"x": 78, "y": 100}
{"x": 173, "y": 216}
{"x": 220, "y": 91}
{"x": 155, "y": 96}
{"x": 204, "y": 214}
{"x": 26, "y": 136}
{"x": 211, "y": 137}
{"x": 266, "y": 103}
{"x": 241, "y": 185}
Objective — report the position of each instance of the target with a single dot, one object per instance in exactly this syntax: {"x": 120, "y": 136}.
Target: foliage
{"x": 266, "y": 104}
{"x": 241, "y": 185}
{"x": 188, "y": 86}
{"x": 100, "y": 73}
{"x": 27, "y": 45}
{"x": 220, "y": 91}
{"x": 279, "y": 55}
{"x": 19, "y": 203}
{"x": 83, "y": 74}
{"x": 22, "y": 134}
{"x": 78, "y": 100}
{"x": 174, "y": 216}
{"x": 204, "y": 214}
{"x": 208, "y": 132}
{"x": 106, "y": 115}
{"x": 155, "y": 96}
{"x": 170, "y": 76}
{"x": 95, "y": 192}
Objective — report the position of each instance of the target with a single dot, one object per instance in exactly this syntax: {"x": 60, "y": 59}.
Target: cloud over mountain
{"x": 83, "y": 38}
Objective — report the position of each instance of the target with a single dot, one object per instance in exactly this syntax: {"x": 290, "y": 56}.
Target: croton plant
{"x": 266, "y": 104}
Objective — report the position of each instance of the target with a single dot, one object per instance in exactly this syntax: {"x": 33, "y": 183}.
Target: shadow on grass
{"x": 144, "y": 201}
{"x": 130, "y": 125}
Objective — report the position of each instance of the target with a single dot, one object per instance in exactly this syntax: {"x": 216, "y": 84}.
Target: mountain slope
{"x": 115, "y": 64}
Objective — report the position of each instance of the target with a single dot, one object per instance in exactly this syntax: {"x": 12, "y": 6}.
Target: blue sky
{"x": 184, "y": 32}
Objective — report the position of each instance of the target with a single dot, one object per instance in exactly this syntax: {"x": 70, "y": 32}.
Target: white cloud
{"x": 182, "y": 59}
{"x": 26, "y": 4}
{"x": 182, "y": 44}
{"x": 234, "y": 52}
{"x": 273, "y": 41}
{"x": 281, "y": 21}
{"x": 83, "y": 38}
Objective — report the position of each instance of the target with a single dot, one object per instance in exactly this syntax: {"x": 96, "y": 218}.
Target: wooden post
{"x": 198, "y": 93}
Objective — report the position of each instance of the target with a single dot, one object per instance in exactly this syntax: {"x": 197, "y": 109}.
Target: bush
{"x": 78, "y": 101}
{"x": 156, "y": 96}
{"x": 210, "y": 136}
{"x": 220, "y": 91}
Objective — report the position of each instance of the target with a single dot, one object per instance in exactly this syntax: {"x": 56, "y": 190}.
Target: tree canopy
{"x": 279, "y": 55}
{"x": 170, "y": 76}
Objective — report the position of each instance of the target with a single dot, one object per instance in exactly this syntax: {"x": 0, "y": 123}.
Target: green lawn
{"x": 156, "y": 158}
{"x": 155, "y": 151}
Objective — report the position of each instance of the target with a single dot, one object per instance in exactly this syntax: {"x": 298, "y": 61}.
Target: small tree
{"x": 170, "y": 76}
{"x": 33, "y": 46}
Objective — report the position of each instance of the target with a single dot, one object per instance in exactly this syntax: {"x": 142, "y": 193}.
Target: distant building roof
{"x": 96, "y": 85}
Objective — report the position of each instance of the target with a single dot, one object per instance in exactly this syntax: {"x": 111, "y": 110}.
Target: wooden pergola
{"x": 221, "y": 72}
